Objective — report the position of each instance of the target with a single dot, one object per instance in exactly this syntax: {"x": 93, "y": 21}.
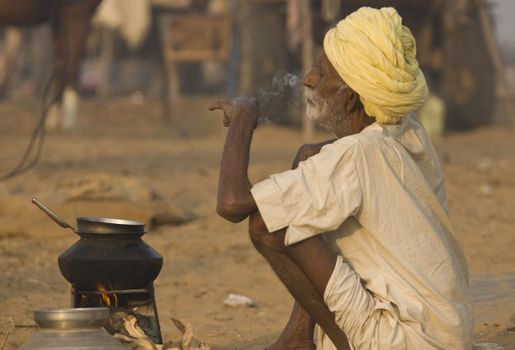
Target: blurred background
{"x": 103, "y": 112}
{"x": 173, "y": 50}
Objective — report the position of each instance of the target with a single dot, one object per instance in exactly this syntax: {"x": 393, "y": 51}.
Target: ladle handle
{"x": 52, "y": 215}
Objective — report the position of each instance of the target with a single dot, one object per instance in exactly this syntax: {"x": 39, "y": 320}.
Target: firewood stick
{"x": 8, "y": 332}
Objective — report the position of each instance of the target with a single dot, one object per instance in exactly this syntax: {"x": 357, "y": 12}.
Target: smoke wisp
{"x": 283, "y": 97}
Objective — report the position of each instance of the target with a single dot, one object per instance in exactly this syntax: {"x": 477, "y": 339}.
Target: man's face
{"x": 326, "y": 101}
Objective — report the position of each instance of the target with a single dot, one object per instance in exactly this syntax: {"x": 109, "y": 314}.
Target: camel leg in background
{"x": 26, "y": 13}
{"x": 70, "y": 27}
{"x": 13, "y": 14}
{"x": 8, "y": 59}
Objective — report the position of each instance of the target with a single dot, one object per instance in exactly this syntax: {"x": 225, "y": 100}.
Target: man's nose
{"x": 310, "y": 80}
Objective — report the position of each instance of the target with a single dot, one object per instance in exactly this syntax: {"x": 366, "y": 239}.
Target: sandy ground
{"x": 124, "y": 162}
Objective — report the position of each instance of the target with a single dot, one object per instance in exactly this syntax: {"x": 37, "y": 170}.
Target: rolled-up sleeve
{"x": 316, "y": 197}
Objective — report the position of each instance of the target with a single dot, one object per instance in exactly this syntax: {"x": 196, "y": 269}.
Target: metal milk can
{"x": 72, "y": 329}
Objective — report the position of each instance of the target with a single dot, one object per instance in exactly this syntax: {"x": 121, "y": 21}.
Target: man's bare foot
{"x": 298, "y": 333}
{"x": 294, "y": 339}
{"x": 292, "y": 345}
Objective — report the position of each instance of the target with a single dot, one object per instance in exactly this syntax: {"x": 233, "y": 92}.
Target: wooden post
{"x": 8, "y": 63}
{"x": 104, "y": 61}
{"x": 308, "y": 126}
{"x": 468, "y": 79}
{"x": 493, "y": 51}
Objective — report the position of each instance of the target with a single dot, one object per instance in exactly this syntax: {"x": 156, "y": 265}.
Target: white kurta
{"x": 379, "y": 199}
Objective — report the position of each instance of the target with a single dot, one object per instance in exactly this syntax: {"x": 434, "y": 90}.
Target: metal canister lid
{"x": 72, "y": 318}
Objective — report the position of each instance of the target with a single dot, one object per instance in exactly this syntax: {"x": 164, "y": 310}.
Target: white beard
{"x": 325, "y": 113}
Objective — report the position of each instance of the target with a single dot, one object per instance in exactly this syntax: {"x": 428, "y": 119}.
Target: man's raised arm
{"x": 234, "y": 201}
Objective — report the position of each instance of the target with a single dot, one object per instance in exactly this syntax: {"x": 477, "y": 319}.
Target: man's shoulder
{"x": 356, "y": 142}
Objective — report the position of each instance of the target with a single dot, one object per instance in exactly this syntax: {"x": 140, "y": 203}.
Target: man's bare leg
{"x": 298, "y": 332}
{"x": 307, "y": 287}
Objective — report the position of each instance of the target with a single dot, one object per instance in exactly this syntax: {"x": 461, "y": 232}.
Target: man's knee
{"x": 260, "y": 237}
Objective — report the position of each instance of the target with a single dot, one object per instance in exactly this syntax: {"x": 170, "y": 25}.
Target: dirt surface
{"x": 124, "y": 162}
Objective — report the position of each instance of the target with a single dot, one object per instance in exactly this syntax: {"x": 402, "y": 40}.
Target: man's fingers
{"x": 222, "y": 106}
{"x": 218, "y": 105}
{"x": 215, "y": 105}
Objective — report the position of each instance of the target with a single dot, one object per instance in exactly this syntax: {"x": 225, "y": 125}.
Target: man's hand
{"x": 239, "y": 108}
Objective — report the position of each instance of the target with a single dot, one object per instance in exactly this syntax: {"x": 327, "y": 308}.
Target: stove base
{"x": 140, "y": 303}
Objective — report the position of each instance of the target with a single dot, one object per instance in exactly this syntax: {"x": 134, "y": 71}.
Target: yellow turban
{"x": 375, "y": 55}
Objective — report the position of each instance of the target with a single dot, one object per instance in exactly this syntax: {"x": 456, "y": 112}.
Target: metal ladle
{"x": 53, "y": 215}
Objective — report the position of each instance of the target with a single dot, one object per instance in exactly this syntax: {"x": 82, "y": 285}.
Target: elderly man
{"x": 358, "y": 230}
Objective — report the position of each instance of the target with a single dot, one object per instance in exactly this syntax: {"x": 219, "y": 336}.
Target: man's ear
{"x": 352, "y": 101}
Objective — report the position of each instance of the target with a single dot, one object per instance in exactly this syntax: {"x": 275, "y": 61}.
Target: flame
{"x": 105, "y": 298}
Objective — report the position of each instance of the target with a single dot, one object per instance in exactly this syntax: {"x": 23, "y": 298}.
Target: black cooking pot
{"x": 110, "y": 254}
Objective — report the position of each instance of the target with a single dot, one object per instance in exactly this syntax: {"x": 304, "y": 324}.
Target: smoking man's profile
{"x": 358, "y": 229}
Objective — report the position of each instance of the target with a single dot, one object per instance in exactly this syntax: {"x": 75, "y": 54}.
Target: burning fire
{"x": 105, "y": 297}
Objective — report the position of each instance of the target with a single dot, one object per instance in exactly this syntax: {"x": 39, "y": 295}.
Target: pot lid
{"x": 95, "y": 225}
